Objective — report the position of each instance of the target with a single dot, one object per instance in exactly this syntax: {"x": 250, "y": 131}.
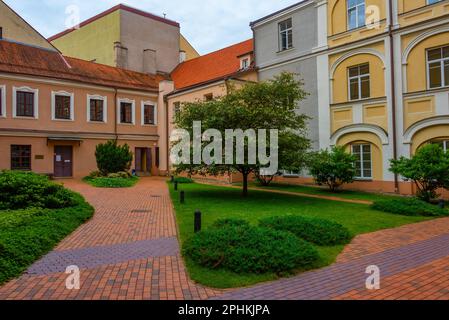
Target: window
{"x": 176, "y": 109}
{"x": 208, "y": 97}
{"x": 289, "y": 173}
{"x": 433, "y": 1}
{"x": 359, "y": 82}
{"x": 148, "y": 113}
{"x": 356, "y": 14}
{"x": 126, "y": 112}
{"x": 3, "y": 101}
{"x": 244, "y": 64}
{"x": 25, "y": 102}
{"x": 438, "y": 67}
{"x": 363, "y": 163}
{"x": 285, "y": 35}
{"x": 97, "y": 109}
{"x": 62, "y": 106}
{"x": 20, "y": 157}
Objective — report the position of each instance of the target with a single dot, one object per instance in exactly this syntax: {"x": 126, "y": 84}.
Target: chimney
{"x": 182, "y": 56}
{"x": 121, "y": 55}
{"x": 149, "y": 61}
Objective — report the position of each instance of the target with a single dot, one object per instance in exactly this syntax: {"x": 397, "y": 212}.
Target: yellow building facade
{"x": 387, "y": 83}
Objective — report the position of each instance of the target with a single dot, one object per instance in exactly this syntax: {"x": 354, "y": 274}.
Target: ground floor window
{"x": 363, "y": 162}
{"x": 444, "y": 144}
{"x": 20, "y": 157}
{"x": 290, "y": 173}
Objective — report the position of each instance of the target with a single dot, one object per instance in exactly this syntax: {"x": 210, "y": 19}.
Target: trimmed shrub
{"x": 319, "y": 231}
{"x": 183, "y": 180}
{"x": 20, "y": 190}
{"x": 113, "y": 180}
{"x": 230, "y": 223}
{"x": 409, "y": 207}
{"x": 112, "y": 158}
{"x": 246, "y": 249}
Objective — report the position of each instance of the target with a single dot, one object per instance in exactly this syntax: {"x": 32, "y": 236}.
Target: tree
{"x": 428, "y": 169}
{"x": 112, "y": 158}
{"x": 293, "y": 152}
{"x": 332, "y": 168}
{"x": 267, "y": 105}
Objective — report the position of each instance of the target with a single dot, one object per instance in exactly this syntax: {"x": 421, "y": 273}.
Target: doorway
{"x": 63, "y": 162}
{"x": 144, "y": 161}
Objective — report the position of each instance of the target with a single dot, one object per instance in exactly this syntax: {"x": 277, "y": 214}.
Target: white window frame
{"x": 133, "y": 110}
{"x": 72, "y": 105}
{"x": 3, "y": 101}
{"x": 280, "y": 32}
{"x": 446, "y": 145}
{"x": 362, "y": 168}
{"x": 142, "y": 113}
{"x": 359, "y": 81}
{"x": 14, "y": 102}
{"x": 444, "y": 81}
{"x": 436, "y": 1}
{"x": 105, "y": 107}
{"x": 356, "y": 7}
{"x": 244, "y": 61}
{"x": 290, "y": 174}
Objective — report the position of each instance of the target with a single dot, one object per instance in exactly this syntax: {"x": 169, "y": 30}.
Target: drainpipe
{"x": 167, "y": 132}
{"x": 393, "y": 90}
{"x": 115, "y": 113}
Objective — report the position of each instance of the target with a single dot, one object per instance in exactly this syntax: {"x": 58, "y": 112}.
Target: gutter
{"x": 393, "y": 91}
{"x": 167, "y": 132}
{"x": 115, "y": 113}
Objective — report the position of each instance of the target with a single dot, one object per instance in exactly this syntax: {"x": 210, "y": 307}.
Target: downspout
{"x": 393, "y": 91}
{"x": 115, "y": 113}
{"x": 167, "y": 132}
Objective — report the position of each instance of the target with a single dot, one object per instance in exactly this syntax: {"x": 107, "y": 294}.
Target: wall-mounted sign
{"x": 39, "y": 157}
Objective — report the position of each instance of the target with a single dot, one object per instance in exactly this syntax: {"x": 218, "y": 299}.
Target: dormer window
{"x": 245, "y": 63}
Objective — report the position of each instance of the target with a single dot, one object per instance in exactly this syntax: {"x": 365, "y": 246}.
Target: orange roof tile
{"x": 28, "y": 60}
{"x": 213, "y": 66}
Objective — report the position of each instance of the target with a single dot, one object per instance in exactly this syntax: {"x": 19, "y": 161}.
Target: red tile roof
{"x": 213, "y": 66}
{"x": 28, "y": 60}
{"x": 113, "y": 9}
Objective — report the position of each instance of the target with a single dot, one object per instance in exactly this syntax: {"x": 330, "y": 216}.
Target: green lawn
{"x": 316, "y": 190}
{"x": 222, "y": 202}
{"x": 28, "y": 234}
{"x": 104, "y": 182}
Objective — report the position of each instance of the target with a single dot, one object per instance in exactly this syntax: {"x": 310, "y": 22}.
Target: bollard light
{"x": 176, "y": 185}
{"x": 197, "y": 222}
{"x": 182, "y": 197}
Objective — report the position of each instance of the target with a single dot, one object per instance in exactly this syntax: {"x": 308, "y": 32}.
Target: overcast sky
{"x": 208, "y": 24}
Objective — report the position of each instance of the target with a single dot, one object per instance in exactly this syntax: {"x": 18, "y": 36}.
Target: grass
{"x": 104, "y": 182}
{"x": 28, "y": 234}
{"x": 222, "y": 202}
{"x": 322, "y": 191}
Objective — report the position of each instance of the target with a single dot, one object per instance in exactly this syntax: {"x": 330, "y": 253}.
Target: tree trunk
{"x": 245, "y": 185}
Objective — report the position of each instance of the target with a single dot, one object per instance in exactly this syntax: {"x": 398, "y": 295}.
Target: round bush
{"x": 409, "y": 207}
{"x": 20, "y": 190}
{"x": 319, "y": 231}
{"x": 249, "y": 250}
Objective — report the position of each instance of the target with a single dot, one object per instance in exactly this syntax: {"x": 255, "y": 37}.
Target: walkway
{"x": 128, "y": 250}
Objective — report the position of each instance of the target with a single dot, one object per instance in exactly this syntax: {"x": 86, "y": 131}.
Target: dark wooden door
{"x": 63, "y": 161}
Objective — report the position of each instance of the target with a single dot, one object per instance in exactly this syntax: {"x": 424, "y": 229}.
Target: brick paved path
{"x": 129, "y": 250}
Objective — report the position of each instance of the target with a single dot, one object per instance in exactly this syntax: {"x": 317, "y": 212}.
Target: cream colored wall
{"x": 417, "y": 109}
{"x": 80, "y": 124}
{"x": 340, "y": 89}
{"x": 94, "y": 41}
{"x": 190, "y": 51}
{"x": 376, "y": 114}
{"x": 338, "y": 26}
{"x": 376, "y": 149}
{"x": 440, "y": 132}
{"x": 414, "y": 11}
{"x": 15, "y": 28}
{"x": 341, "y": 117}
{"x": 416, "y": 62}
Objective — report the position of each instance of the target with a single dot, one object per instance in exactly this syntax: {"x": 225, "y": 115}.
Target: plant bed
{"x": 32, "y": 229}
{"x": 318, "y": 231}
{"x": 112, "y": 181}
{"x": 410, "y": 207}
{"x": 246, "y": 249}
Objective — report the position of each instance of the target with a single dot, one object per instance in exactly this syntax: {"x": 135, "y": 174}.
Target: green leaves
{"x": 332, "y": 168}
{"x": 428, "y": 169}
{"x": 112, "y": 158}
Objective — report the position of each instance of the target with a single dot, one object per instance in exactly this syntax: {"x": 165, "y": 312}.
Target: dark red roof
{"x": 28, "y": 60}
{"x": 213, "y": 66}
{"x": 113, "y": 9}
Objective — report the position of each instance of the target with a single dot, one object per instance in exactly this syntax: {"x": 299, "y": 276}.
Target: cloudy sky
{"x": 208, "y": 24}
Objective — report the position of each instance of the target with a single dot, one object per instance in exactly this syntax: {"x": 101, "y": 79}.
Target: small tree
{"x": 332, "y": 168}
{"x": 112, "y": 158}
{"x": 293, "y": 147}
{"x": 428, "y": 169}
